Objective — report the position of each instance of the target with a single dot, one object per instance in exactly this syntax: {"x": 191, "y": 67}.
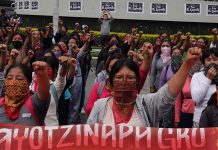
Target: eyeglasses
{"x": 122, "y": 78}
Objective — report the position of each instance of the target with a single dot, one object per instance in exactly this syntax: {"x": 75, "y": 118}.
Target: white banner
{"x": 75, "y": 6}
{"x": 158, "y": 8}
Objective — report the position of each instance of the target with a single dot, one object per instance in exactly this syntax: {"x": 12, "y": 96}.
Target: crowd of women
{"x": 43, "y": 78}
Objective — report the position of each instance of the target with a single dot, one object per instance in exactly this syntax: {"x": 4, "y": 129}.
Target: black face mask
{"x": 17, "y": 44}
{"x": 176, "y": 62}
{"x": 215, "y": 80}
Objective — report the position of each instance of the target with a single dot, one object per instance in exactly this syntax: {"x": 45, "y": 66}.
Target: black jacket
{"x": 209, "y": 116}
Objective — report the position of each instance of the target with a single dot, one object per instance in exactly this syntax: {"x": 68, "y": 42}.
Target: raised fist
{"x": 40, "y": 68}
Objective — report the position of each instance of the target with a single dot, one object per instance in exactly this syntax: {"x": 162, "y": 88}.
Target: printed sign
{"x": 34, "y": 5}
{"x": 20, "y": 5}
{"x": 158, "y": 8}
{"x": 75, "y": 6}
{"x": 108, "y": 6}
{"x": 135, "y": 7}
{"x": 192, "y": 9}
{"x": 26, "y": 5}
{"x": 212, "y": 10}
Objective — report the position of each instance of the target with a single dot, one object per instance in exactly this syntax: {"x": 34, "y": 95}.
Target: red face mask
{"x": 124, "y": 92}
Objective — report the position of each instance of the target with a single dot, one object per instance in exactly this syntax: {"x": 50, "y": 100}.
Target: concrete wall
{"x": 91, "y": 9}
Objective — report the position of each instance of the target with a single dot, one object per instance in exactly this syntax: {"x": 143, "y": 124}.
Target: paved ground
{"x": 90, "y": 83}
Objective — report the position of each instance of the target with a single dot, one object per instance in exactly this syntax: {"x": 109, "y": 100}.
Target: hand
{"x": 60, "y": 22}
{"x": 148, "y": 50}
{"x": 193, "y": 55}
{"x": 28, "y": 31}
{"x": 188, "y": 35}
{"x": 63, "y": 60}
{"x": 14, "y": 53}
{"x": 179, "y": 33}
{"x": 215, "y": 31}
{"x": 211, "y": 73}
{"x": 40, "y": 68}
{"x": 50, "y": 25}
{"x": 72, "y": 62}
{"x": 31, "y": 53}
{"x": 17, "y": 22}
{"x": 9, "y": 30}
{"x": 131, "y": 53}
{"x": 140, "y": 32}
{"x": 3, "y": 48}
{"x": 87, "y": 38}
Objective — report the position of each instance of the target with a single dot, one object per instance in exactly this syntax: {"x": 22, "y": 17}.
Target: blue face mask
{"x": 57, "y": 54}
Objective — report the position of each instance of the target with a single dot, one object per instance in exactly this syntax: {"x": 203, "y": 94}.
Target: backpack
{"x": 100, "y": 88}
{"x": 29, "y": 106}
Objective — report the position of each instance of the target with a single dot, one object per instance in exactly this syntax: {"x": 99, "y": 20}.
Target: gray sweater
{"x": 105, "y": 26}
{"x": 150, "y": 107}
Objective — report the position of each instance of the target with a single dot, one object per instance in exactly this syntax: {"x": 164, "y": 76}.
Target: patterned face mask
{"x": 176, "y": 62}
{"x": 16, "y": 92}
{"x": 215, "y": 80}
{"x": 124, "y": 92}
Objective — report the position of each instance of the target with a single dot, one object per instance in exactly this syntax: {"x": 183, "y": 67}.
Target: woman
{"x": 144, "y": 110}
{"x": 102, "y": 88}
{"x": 169, "y": 70}
{"x": 209, "y": 114}
{"x": 202, "y": 86}
{"x": 76, "y": 88}
{"x": 19, "y": 106}
{"x": 158, "y": 63}
{"x": 166, "y": 74}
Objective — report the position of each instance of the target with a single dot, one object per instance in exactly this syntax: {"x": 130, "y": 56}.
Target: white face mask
{"x": 166, "y": 51}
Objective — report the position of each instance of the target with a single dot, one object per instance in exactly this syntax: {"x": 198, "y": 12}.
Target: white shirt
{"x": 201, "y": 91}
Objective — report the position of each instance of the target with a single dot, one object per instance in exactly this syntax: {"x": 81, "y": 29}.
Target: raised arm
{"x": 3, "y": 55}
{"x": 40, "y": 68}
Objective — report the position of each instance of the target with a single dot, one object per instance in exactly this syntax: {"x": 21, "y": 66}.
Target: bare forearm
{"x": 147, "y": 64}
{"x": 70, "y": 74}
{"x": 177, "y": 81}
{"x": 2, "y": 61}
{"x": 43, "y": 87}
{"x": 63, "y": 71}
{"x": 85, "y": 46}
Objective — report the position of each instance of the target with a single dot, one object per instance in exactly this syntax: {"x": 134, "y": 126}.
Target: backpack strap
{"x": 100, "y": 88}
{"x": 30, "y": 108}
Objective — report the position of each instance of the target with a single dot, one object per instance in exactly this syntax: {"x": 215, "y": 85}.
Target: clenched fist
{"x": 40, "y": 68}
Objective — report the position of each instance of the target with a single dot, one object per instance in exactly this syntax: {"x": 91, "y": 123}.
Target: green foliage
{"x": 145, "y": 37}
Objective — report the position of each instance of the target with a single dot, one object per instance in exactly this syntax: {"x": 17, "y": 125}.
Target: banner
{"x": 106, "y": 137}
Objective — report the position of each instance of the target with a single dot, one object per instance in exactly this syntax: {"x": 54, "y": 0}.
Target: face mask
{"x": 165, "y": 54}
{"x": 57, "y": 54}
{"x": 176, "y": 62}
{"x": 166, "y": 51}
{"x": 124, "y": 92}
{"x": 17, "y": 44}
{"x": 215, "y": 80}
{"x": 16, "y": 92}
